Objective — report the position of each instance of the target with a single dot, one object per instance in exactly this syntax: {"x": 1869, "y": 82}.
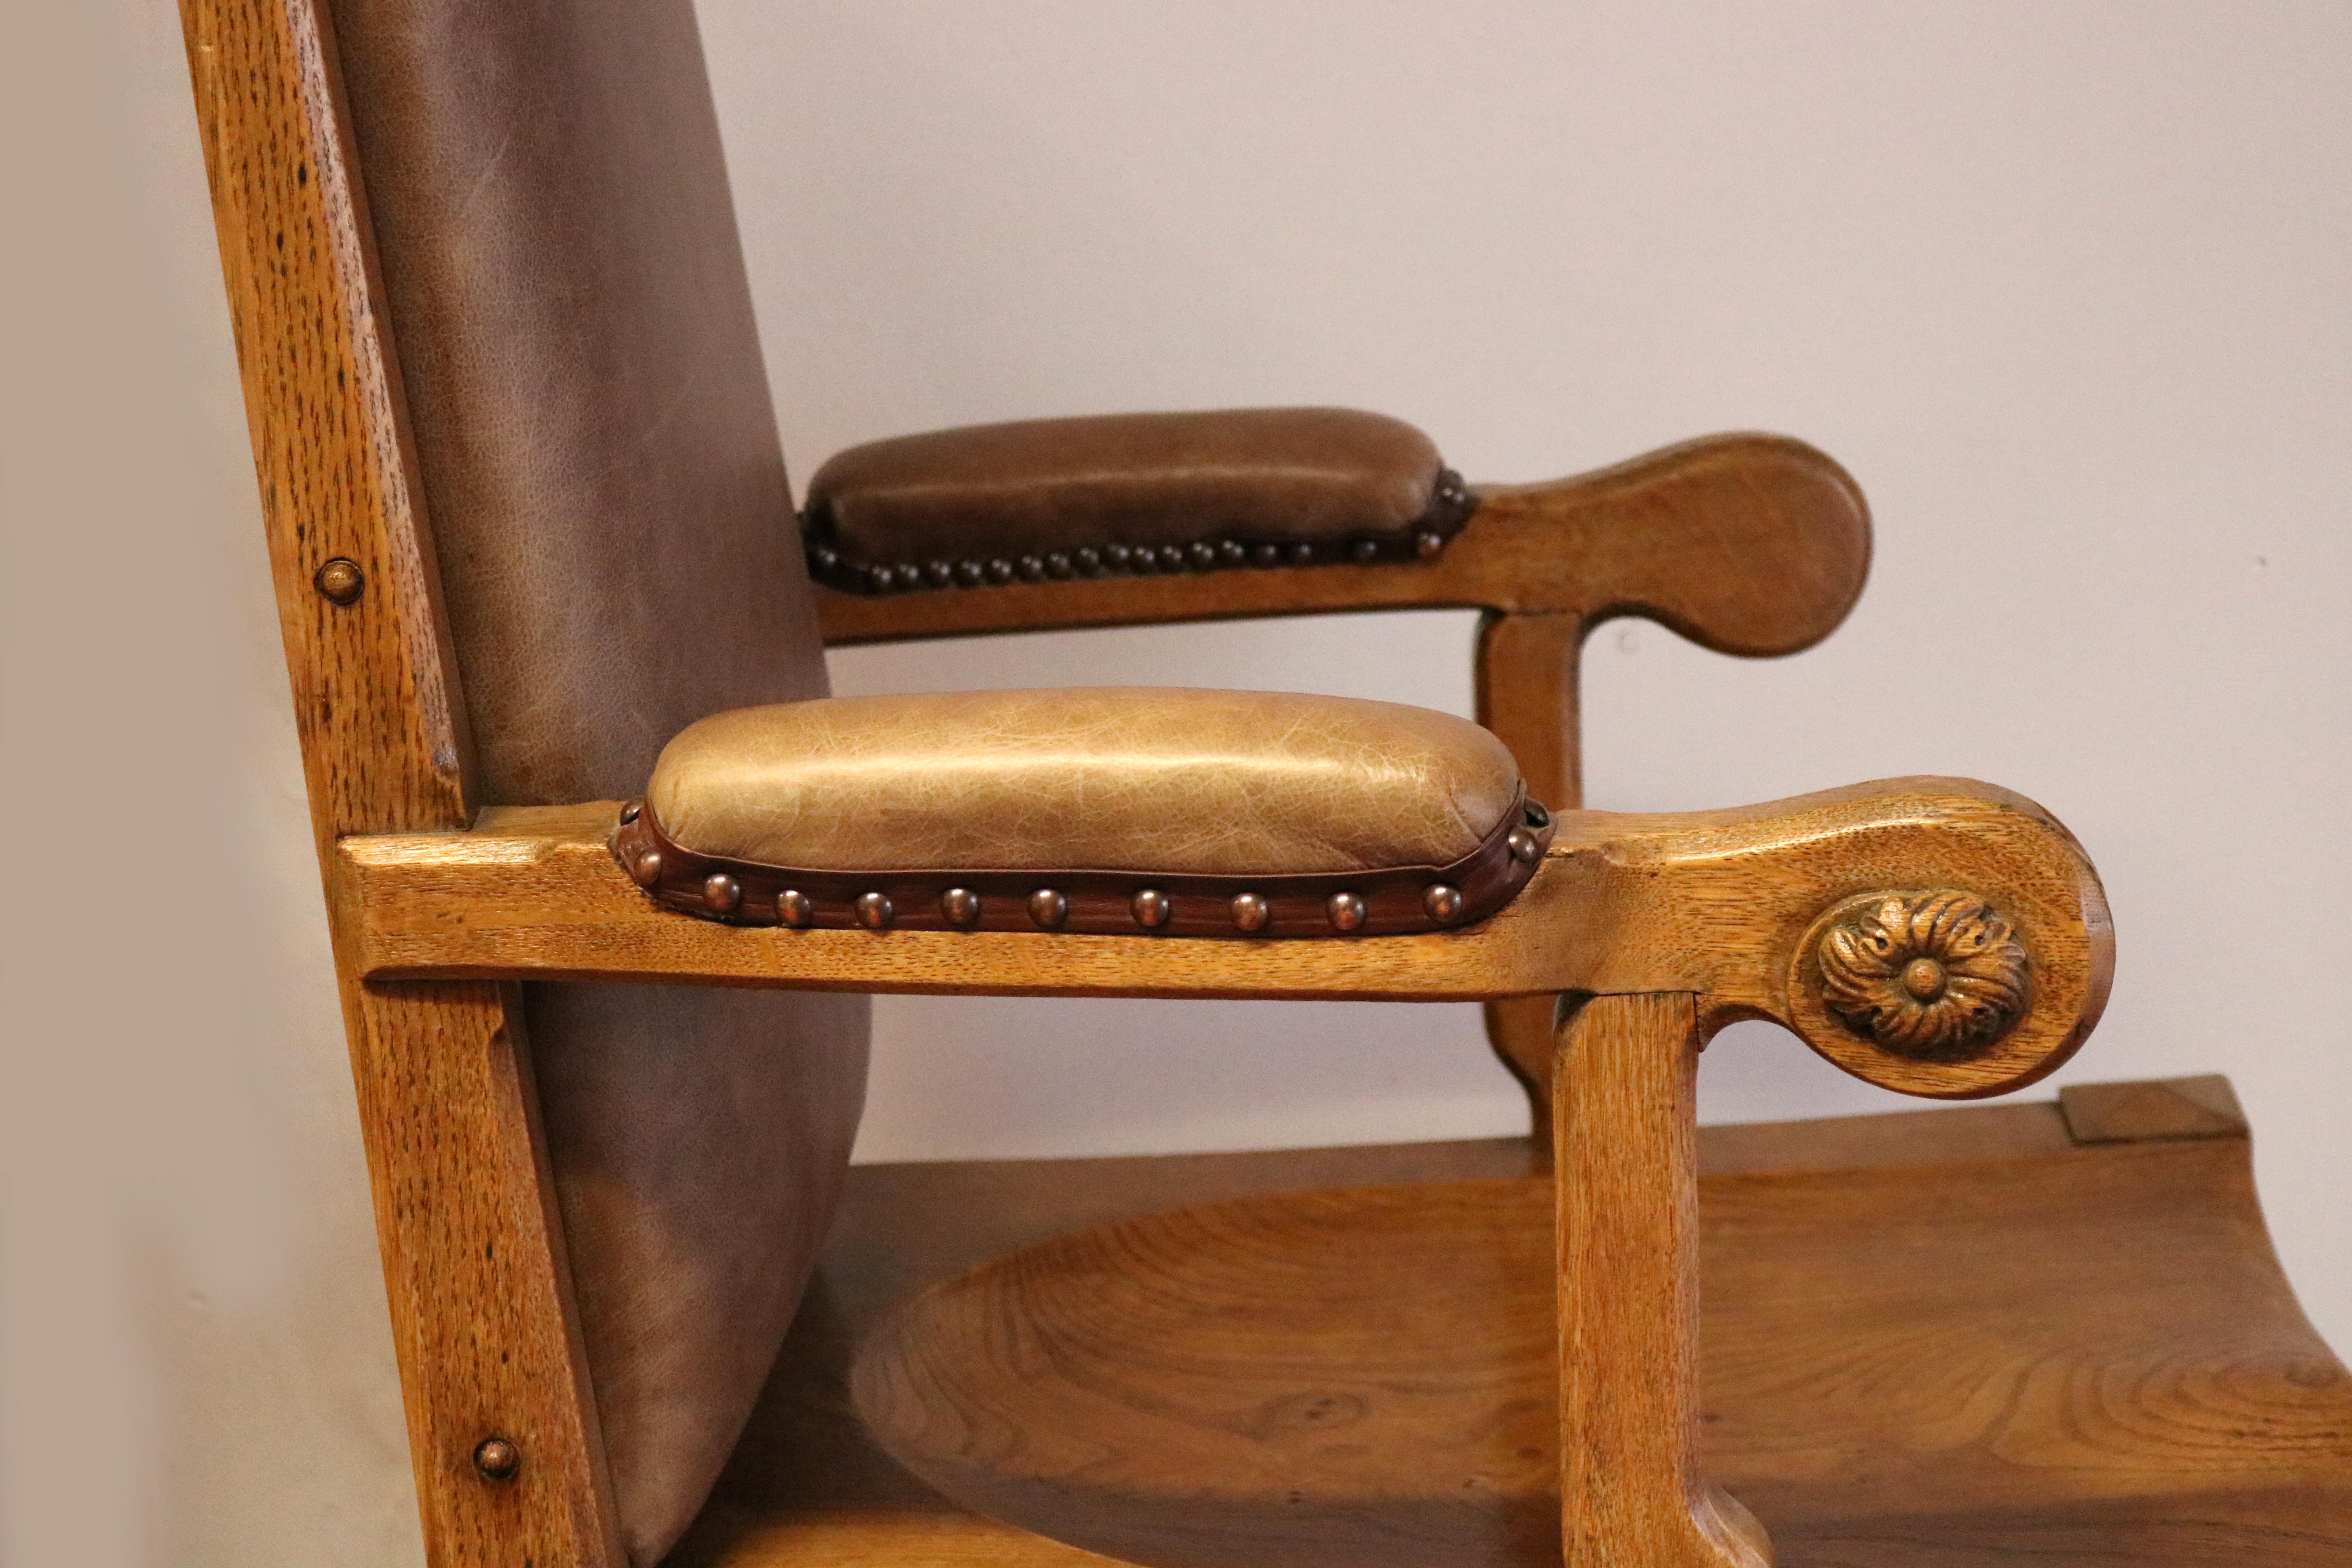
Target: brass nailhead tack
{"x": 874, "y": 910}
{"x": 795, "y": 908}
{"x": 1152, "y": 908}
{"x": 1251, "y": 912}
{"x": 960, "y": 907}
{"x": 1428, "y": 544}
{"x": 1365, "y": 549}
{"x": 629, "y": 812}
{"x": 721, "y": 892}
{"x": 648, "y": 870}
{"x": 340, "y": 581}
{"x": 1048, "y": 907}
{"x": 1441, "y": 902}
{"x": 497, "y": 1459}
{"x": 1523, "y": 845}
{"x": 1347, "y": 911}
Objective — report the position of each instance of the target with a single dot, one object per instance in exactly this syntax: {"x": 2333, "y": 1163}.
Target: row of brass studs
{"x": 1048, "y": 907}
{"x": 960, "y": 907}
{"x": 1449, "y": 500}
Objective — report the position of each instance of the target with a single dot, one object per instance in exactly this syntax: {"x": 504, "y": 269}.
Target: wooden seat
{"x": 492, "y": 317}
{"x": 1956, "y": 1337}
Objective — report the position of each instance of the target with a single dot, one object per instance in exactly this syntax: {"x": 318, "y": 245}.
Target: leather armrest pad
{"x": 1095, "y": 796}
{"x": 1131, "y": 492}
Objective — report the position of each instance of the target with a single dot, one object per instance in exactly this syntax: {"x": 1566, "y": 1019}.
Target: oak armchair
{"x": 609, "y": 875}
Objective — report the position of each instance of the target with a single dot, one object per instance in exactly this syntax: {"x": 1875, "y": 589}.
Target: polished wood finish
{"x": 1953, "y": 1337}
{"x": 1747, "y": 544}
{"x": 480, "y": 1296}
{"x": 1526, "y": 683}
{"x": 1674, "y": 925}
{"x": 1625, "y": 1207}
{"x": 2201, "y": 1107}
{"x": 1722, "y": 904}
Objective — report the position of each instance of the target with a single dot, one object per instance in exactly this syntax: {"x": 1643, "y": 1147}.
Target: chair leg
{"x": 1625, "y": 1165}
{"x": 501, "y": 1423}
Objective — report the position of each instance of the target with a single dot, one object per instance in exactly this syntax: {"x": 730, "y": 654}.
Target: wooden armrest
{"x": 1743, "y": 908}
{"x": 1745, "y": 544}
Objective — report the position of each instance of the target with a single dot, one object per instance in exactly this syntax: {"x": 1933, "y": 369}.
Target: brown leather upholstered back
{"x": 607, "y": 495}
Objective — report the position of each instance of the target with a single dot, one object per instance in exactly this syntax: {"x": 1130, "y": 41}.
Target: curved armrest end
{"x": 1750, "y": 545}
{"x": 1938, "y": 937}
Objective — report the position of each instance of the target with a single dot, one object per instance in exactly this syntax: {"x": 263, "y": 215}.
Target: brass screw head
{"x": 1347, "y": 911}
{"x": 1251, "y": 912}
{"x": 960, "y": 907}
{"x": 1151, "y": 907}
{"x": 340, "y": 581}
{"x": 874, "y": 910}
{"x": 1048, "y": 908}
{"x": 497, "y": 1459}
{"x": 1443, "y": 903}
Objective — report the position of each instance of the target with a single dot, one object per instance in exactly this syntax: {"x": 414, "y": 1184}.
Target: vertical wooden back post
{"x": 502, "y": 1427}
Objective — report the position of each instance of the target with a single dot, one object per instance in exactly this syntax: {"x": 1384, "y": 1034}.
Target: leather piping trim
{"x": 1451, "y": 505}
{"x": 1395, "y": 900}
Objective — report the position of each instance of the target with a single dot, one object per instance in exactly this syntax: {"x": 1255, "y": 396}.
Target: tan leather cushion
{"x": 1207, "y": 783}
{"x": 1272, "y": 477}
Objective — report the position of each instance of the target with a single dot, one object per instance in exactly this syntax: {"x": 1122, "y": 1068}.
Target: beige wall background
{"x": 2068, "y": 286}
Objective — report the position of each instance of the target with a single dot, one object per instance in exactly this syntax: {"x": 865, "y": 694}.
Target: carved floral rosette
{"x": 1936, "y": 976}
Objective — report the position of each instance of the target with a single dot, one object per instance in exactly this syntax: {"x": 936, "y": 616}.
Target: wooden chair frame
{"x": 1660, "y": 928}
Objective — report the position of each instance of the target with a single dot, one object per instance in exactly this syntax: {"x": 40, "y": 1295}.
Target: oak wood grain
{"x": 479, "y": 1293}
{"x": 1715, "y": 903}
{"x": 1750, "y": 545}
{"x": 1525, "y": 678}
{"x": 1950, "y": 1337}
{"x": 1746, "y": 543}
{"x": 1625, "y": 1204}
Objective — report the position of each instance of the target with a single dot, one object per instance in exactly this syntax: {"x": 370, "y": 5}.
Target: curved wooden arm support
{"x": 1730, "y": 906}
{"x": 1747, "y": 544}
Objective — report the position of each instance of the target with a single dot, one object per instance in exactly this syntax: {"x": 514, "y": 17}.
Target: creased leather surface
{"x": 619, "y": 556}
{"x": 1277, "y": 474}
{"x": 1221, "y": 783}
